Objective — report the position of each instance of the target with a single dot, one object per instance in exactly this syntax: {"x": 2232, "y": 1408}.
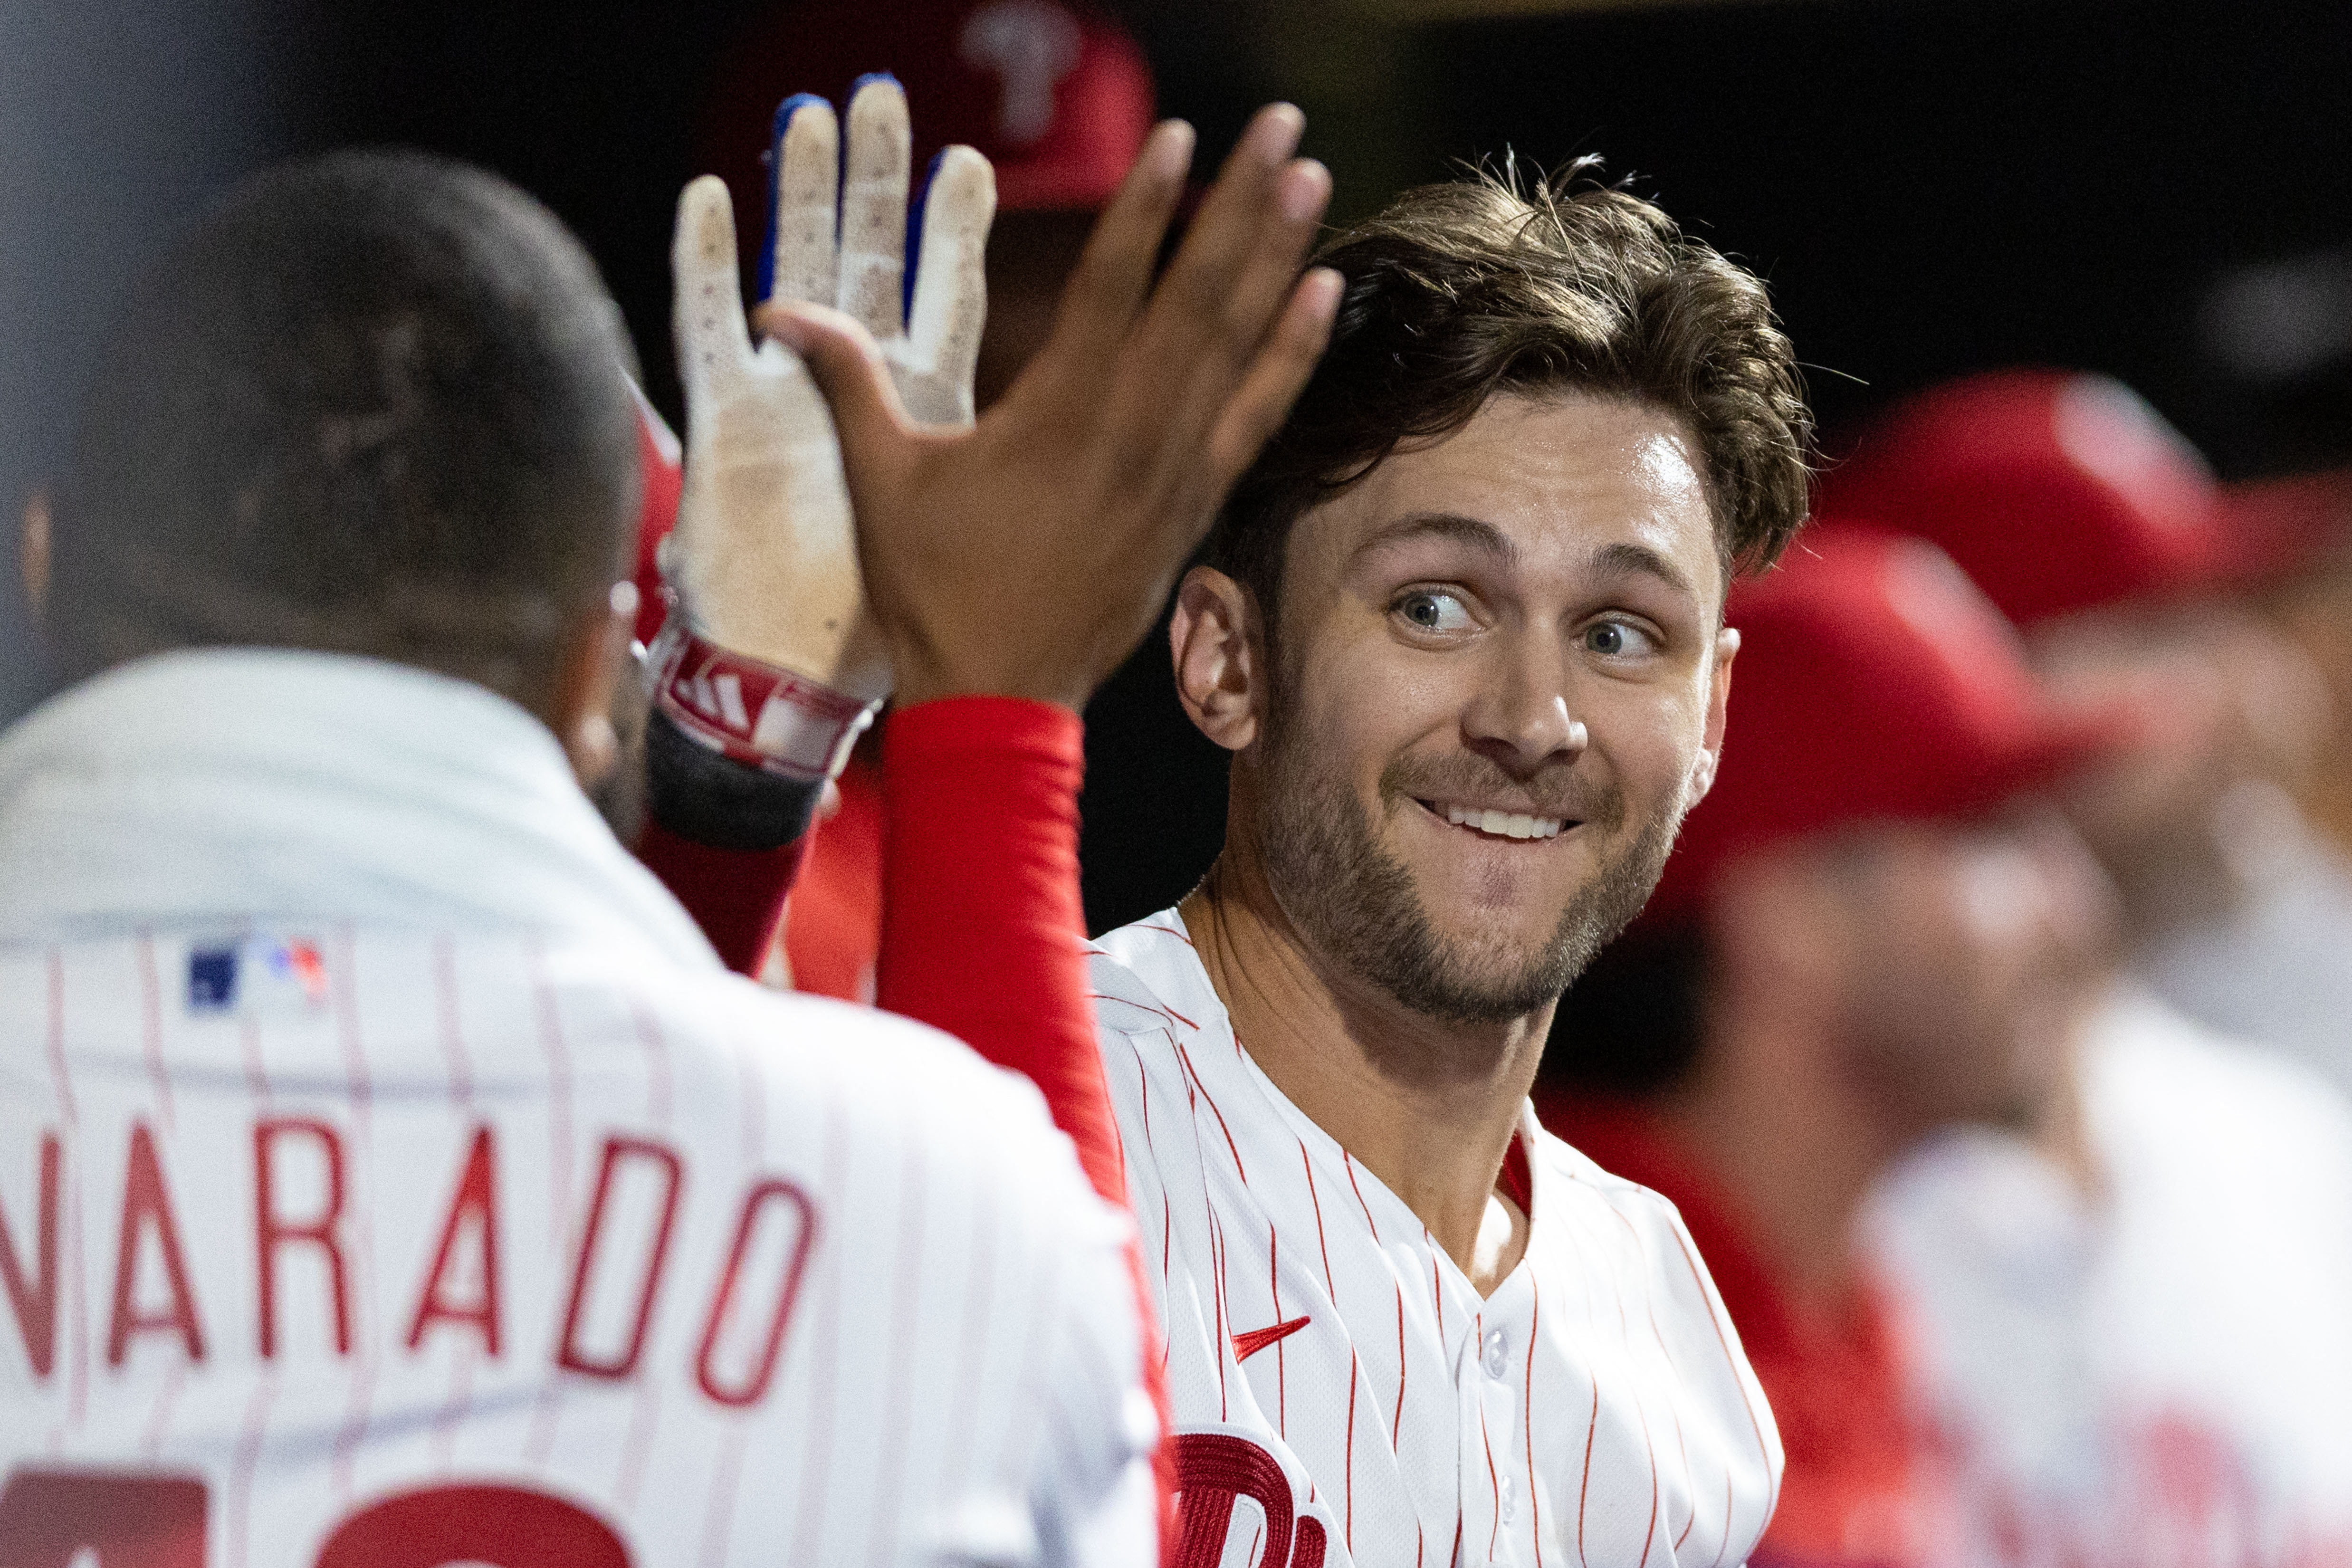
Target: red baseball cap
{"x": 1055, "y": 92}
{"x": 2055, "y": 491}
{"x": 1874, "y": 682}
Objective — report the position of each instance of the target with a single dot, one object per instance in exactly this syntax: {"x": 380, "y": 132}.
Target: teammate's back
{"x": 390, "y": 1174}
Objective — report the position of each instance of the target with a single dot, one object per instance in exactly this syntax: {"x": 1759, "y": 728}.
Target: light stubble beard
{"x": 1357, "y": 904}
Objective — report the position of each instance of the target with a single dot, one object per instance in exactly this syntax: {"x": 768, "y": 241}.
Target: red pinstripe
{"x": 56, "y": 1033}
{"x": 1494, "y": 1482}
{"x": 151, "y": 1010}
{"x": 247, "y": 1457}
{"x": 1584, "y": 1485}
{"x": 725, "y": 1479}
{"x": 1396, "y": 1425}
{"x": 343, "y": 987}
{"x": 637, "y": 1449}
{"x": 825, "y": 1362}
{"x": 541, "y": 1440}
{"x": 158, "y": 1414}
{"x": 445, "y": 1010}
{"x": 1330, "y": 1287}
{"x": 1217, "y": 1310}
{"x": 1732, "y": 1363}
{"x": 906, "y": 1292}
{"x": 1348, "y": 1161}
{"x": 77, "y": 1377}
{"x": 1347, "y": 1471}
{"x": 1528, "y": 1415}
{"x": 979, "y": 1294}
{"x": 657, "y": 1085}
{"x": 1202, "y": 1090}
{"x": 1167, "y": 931}
{"x": 1156, "y": 1008}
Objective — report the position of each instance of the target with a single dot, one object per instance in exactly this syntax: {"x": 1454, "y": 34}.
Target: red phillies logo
{"x": 1216, "y": 1469}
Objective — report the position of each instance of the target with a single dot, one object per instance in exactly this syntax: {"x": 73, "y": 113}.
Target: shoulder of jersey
{"x": 1571, "y": 1166}
{"x": 1146, "y": 973}
{"x": 893, "y": 1074}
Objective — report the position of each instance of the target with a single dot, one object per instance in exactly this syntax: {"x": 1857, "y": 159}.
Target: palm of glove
{"x": 764, "y": 558}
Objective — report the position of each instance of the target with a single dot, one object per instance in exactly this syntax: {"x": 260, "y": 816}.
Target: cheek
{"x": 1369, "y": 700}
{"x": 1648, "y": 744}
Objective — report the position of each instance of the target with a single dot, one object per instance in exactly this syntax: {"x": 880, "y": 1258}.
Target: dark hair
{"x": 1481, "y": 286}
{"x": 374, "y": 403}
{"x": 1634, "y": 1022}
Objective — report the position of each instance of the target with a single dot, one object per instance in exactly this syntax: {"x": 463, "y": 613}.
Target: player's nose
{"x": 1519, "y": 714}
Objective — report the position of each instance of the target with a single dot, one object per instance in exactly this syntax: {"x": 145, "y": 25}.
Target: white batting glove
{"x": 769, "y": 655}
{"x": 861, "y": 271}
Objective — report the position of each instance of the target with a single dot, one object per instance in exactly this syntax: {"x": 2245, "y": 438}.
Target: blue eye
{"x": 1431, "y": 611}
{"x": 1615, "y": 639}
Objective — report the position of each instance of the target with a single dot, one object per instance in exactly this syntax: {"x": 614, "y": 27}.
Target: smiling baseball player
{"x": 1461, "y": 627}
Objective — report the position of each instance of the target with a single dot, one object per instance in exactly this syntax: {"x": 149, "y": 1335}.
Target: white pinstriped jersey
{"x": 365, "y": 1246}
{"x": 1342, "y": 1394}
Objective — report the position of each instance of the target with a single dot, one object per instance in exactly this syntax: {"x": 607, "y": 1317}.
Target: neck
{"x": 1793, "y": 1137}
{"x": 1428, "y": 1107}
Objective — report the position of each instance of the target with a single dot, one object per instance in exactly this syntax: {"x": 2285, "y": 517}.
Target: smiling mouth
{"x": 1515, "y": 826}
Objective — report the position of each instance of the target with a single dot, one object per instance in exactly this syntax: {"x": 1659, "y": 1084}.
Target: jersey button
{"x": 1508, "y": 1500}
{"x": 1494, "y": 1353}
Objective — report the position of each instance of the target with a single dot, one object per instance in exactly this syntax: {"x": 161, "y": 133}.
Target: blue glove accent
{"x": 915, "y": 240}
{"x": 774, "y": 160}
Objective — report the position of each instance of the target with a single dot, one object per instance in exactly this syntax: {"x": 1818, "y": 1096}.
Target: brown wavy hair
{"x": 1491, "y": 284}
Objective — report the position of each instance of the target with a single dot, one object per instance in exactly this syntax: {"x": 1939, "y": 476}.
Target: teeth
{"x": 1504, "y": 824}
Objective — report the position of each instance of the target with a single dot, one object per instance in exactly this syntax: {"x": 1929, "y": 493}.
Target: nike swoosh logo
{"x": 1249, "y": 1344}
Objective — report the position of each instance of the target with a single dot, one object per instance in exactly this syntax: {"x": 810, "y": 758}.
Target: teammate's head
{"x": 2096, "y": 526}
{"x": 1869, "y": 902}
{"x": 1479, "y": 575}
{"x": 372, "y": 405}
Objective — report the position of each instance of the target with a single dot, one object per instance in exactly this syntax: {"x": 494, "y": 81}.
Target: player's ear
{"x": 1212, "y": 635}
{"x": 1718, "y": 707}
{"x": 594, "y": 659}
{"x": 33, "y": 553}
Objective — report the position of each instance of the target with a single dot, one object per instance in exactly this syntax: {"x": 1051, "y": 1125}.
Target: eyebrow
{"x": 1480, "y": 535}
{"x": 1618, "y": 559}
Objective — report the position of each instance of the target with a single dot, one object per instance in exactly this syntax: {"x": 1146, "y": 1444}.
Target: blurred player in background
{"x": 1058, "y": 97}
{"x": 1869, "y": 932}
{"x": 2096, "y": 528}
{"x": 1461, "y": 629}
{"x": 2131, "y": 1311}
{"x": 2309, "y": 597}
{"x": 395, "y": 1175}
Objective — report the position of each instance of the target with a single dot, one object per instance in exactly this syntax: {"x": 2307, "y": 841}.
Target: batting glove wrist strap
{"x": 751, "y": 711}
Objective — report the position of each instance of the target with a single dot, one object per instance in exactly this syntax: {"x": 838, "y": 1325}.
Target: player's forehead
{"x": 1553, "y": 487}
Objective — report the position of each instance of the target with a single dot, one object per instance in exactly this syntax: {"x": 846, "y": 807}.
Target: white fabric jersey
{"x": 2273, "y": 969}
{"x": 2162, "y": 1373}
{"x": 390, "y": 1177}
{"x": 1342, "y": 1394}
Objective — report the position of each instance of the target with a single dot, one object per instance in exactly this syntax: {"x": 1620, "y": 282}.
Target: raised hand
{"x": 1027, "y": 556}
{"x": 770, "y": 655}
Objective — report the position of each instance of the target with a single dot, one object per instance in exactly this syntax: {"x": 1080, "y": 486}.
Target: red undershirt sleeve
{"x": 736, "y": 896}
{"x": 983, "y": 932}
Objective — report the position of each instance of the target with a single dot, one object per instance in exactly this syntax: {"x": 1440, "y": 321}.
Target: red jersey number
{"x": 138, "y": 1520}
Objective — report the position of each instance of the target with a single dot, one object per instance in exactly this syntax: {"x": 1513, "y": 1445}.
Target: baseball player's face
{"x": 1496, "y": 667}
{"x": 1967, "y": 953}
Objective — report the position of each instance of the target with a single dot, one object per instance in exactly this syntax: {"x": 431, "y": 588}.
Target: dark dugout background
{"x": 1932, "y": 186}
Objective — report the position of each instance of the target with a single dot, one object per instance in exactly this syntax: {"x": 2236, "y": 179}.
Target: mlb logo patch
{"x": 258, "y": 976}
